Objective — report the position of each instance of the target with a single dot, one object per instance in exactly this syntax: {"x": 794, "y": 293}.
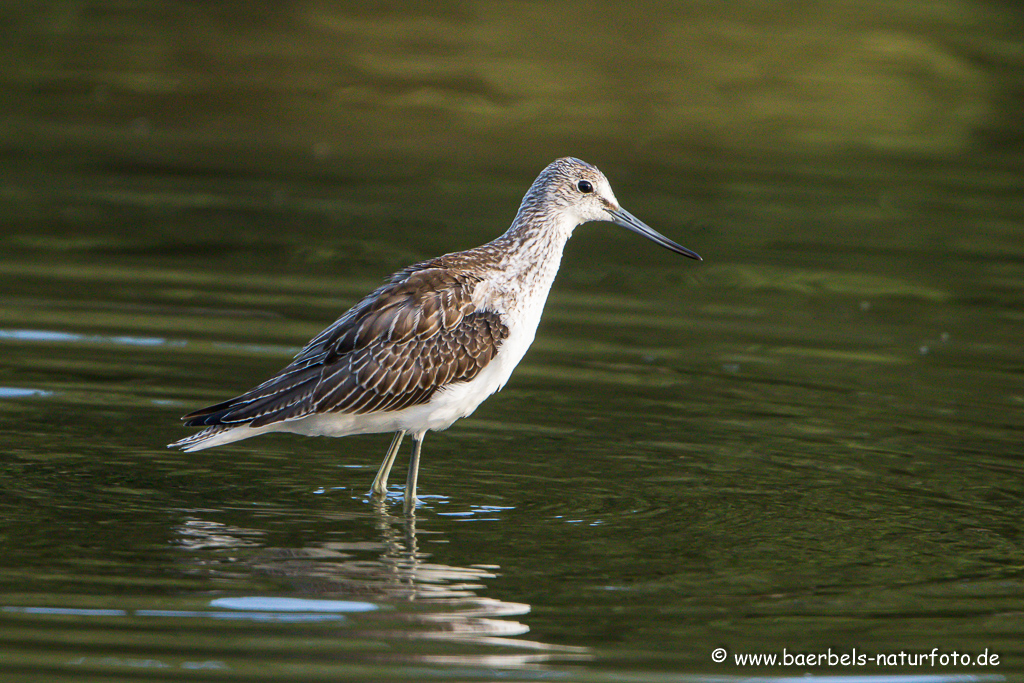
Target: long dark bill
{"x": 627, "y": 220}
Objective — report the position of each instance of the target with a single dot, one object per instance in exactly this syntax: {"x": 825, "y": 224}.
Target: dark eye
{"x": 584, "y": 186}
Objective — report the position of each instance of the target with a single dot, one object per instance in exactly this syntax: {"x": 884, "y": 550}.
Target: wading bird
{"x": 428, "y": 346}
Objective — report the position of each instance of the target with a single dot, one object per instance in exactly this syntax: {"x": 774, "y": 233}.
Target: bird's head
{"x": 573, "y": 192}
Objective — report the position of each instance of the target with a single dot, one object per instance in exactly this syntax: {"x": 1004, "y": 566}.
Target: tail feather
{"x": 197, "y": 441}
{"x": 216, "y": 435}
{"x": 280, "y": 394}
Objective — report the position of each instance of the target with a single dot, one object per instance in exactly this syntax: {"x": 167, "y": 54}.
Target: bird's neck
{"x": 531, "y": 251}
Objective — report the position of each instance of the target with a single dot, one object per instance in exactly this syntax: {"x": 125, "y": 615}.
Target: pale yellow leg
{"x": 414, "y": 472}
{"x": 380, "y": 482}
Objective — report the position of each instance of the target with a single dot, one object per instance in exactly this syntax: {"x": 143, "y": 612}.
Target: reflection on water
{"x": 372, "y": 600}
{"x": 428, "y": 601}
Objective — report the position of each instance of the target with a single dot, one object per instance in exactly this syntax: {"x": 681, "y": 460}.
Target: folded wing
{"x": 413, "y": 336}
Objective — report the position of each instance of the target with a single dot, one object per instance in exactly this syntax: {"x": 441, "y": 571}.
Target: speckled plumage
{"x": 428, "y": 346}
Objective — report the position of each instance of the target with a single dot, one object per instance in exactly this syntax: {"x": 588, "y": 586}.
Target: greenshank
{"x": 428, "y": 346}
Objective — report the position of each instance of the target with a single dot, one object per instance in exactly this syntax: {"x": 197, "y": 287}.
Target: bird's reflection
{"x": 421, "y": 600}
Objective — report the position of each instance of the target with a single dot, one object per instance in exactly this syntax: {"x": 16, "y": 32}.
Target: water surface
{"x": 809, "y": 441}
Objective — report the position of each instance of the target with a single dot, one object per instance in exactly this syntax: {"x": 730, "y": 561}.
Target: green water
{"x": 811, "y": 441}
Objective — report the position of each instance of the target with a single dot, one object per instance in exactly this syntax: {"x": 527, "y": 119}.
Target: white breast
{"x": 518, "y": 292}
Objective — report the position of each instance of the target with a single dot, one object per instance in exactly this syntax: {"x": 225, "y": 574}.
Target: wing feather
{"x": 394, "y": 349}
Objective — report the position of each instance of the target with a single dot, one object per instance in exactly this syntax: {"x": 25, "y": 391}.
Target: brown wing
{"x": 394, "y": 349}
